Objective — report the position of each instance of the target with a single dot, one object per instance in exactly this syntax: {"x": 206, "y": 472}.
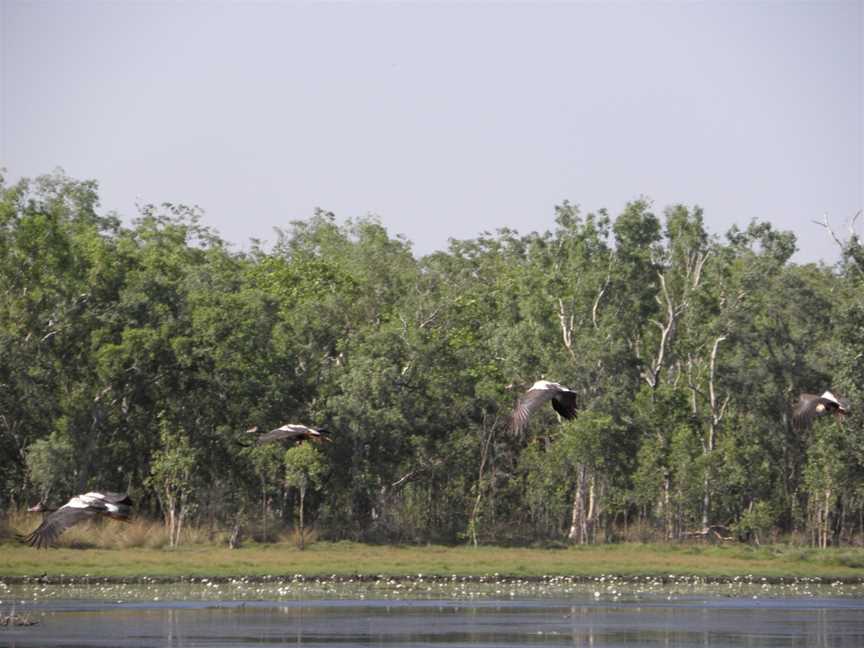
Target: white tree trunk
{"x": 578, "y": 530}
{"x": 302, "y": 532}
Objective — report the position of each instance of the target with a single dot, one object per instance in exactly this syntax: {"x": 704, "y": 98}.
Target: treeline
{"x": 134, "y": 357}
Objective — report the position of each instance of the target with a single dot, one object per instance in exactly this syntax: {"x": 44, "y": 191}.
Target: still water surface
{"x": 602, "y": 613}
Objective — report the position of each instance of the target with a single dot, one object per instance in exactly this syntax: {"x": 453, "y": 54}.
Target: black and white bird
{"x": 81, "y": 507}
{"x": 291, "y": 432}
{"x": 563, "y": 401}
{"x": 810, "y": 406}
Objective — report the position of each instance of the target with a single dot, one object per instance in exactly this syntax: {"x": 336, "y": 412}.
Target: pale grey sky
{"x": 443, "y": 119}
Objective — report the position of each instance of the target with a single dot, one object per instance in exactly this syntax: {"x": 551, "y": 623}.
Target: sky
{"x": 443, "y": 120}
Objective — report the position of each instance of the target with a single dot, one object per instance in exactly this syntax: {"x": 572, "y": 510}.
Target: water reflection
{"x": 193, "y": 615}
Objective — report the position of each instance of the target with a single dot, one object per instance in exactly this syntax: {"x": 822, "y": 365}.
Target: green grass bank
{"x": 353, "y": 559}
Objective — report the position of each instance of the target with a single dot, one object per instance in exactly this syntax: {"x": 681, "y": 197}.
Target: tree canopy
{"x": 132, "y": 357}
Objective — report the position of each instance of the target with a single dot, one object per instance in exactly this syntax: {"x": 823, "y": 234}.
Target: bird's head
{"x": 842, "y": 407}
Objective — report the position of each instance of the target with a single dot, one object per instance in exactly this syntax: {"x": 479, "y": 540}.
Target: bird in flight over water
{"x": 117, "y": 506}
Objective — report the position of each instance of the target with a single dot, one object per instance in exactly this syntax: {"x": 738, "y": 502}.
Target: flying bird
{"x": 563, "y": 401}
{"x": 81, "y": 507}
{"x": 291, "y": 432}
{"x": 810, "y": 406}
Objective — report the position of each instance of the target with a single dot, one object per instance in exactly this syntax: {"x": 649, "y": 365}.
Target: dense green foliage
{"x": 133, "y": 357}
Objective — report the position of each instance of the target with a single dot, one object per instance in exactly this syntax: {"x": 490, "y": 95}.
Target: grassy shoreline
{"x": 348, "y": 559}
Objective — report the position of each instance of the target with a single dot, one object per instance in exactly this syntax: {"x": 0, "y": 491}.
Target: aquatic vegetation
{"x": 605, "y": 587}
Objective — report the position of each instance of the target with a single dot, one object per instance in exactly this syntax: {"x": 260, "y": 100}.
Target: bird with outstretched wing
{"x": 563, "y": 401}
{"x": 810, "y": 406}
{"x": 81, "y": 507}
{"x": 291, "y": 432}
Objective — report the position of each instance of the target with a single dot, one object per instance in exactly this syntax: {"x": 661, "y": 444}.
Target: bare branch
{"x": 597, "y": 300}
{"x": 852, "y": 224}
{"x": 723, "y": 407}
{"x": 566, "y": 328}
{"x": 404, "y": 478}
{"x": 690, "y": 382}
{"x": 824, "y": 223}
{"x": 849, "y": 246}
{"x": 667, "y": 331}
{"x": 430, "y": 319}
{"x": 700, "y": 263}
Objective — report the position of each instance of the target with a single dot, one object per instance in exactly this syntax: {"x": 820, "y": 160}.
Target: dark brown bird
{"x": 563, "y": 401}
{"x": 81, "y": 507}
{"x": 291, "y": 432}
{"x": 811, "y": 406}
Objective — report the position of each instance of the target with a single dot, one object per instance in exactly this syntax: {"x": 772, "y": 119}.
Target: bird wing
{"x": 56, "y": 523}
{"x": 117, "y": 505}
{"x": 527, "y": 405}
{"x": 564, "y": 402}
{"x": 117, "y": 498}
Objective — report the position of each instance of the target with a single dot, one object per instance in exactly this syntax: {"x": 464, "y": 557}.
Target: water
{"x": 422, "y": 612}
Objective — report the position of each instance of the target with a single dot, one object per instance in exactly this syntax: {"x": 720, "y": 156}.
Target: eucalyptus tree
{"x": 173, "y": 477}
{"x": 50, "y": 462}
{"x": 592, "y": 258}
{"x": 829, "y": 479}
{"x": 701, "y": 303}
{"x": 339, "y": 287}
{"x": 143, "y": 351}
{"x": 238, "y": 365}
{"x": 500, "y": 329}
{"x": 464, "y": 365}
{"x": 305, "y": 468}
{"x": 590, "y": 444}
{"x": 56, "y": 259}
{"x": 781, "y": 330}
{"x": 834, "y": 471}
